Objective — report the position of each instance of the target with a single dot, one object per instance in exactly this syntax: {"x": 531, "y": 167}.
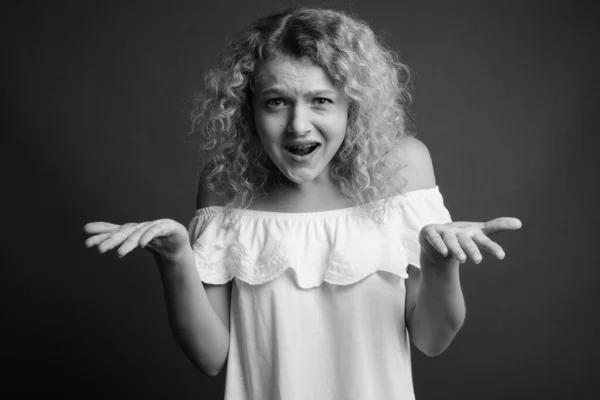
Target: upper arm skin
{"x": 218, "y": 295}
{"x": 419, "y": 175}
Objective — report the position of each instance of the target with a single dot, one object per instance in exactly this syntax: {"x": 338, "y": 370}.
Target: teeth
{"x": 302, "y": 150}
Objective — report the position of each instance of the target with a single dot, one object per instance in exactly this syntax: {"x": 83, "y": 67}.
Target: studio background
{"x": 96, "y": 98}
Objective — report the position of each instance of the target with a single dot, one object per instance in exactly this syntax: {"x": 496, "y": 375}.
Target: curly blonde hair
{"x": 376, "y": 83}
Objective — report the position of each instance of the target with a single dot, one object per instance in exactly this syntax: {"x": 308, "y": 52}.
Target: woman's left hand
{"x": 464, "y": 240}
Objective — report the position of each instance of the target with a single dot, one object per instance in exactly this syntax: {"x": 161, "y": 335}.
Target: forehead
{"x": 288, "y": 73}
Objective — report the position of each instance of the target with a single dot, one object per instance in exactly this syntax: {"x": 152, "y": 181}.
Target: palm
{"x": 465, "y": 240}
{"x": 164, "y": 237}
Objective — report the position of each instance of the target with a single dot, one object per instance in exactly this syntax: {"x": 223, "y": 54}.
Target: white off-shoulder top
{"x": 317, "y": 308}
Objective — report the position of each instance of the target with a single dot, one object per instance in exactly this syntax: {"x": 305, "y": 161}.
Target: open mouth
{"x": 303, "y": 150}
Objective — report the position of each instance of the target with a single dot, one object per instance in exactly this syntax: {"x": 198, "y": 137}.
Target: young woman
{"x": 321, "y": 245}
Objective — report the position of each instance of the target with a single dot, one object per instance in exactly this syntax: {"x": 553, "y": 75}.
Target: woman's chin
{"x": 301, "y": 174}
{"x": 299, "y": 177}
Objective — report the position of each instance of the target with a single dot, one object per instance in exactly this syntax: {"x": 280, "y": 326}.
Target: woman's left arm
{"x": 435, "y": 308}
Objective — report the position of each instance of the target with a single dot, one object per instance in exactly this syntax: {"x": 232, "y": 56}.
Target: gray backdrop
{"x": 96, "y": 97}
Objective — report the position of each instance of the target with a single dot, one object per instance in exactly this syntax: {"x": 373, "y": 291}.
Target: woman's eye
{"x": 321, "y": 101}
{"x": 275, "y": 102}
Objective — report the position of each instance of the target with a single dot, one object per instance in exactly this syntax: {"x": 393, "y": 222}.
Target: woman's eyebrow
{"x": 271, "y": 90}
{"x": 314, "y": 92}
{"x": 322, "y": 92}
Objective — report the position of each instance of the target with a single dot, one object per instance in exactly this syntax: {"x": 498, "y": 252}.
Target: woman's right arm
{"x": 195, "y": 315}
{"x": 198, "y": 312}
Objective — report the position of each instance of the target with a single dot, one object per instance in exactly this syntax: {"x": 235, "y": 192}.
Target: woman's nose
{"x": 299, "y": 123}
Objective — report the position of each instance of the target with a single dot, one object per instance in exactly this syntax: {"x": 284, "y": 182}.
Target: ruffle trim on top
{"x": 339, "y": 247}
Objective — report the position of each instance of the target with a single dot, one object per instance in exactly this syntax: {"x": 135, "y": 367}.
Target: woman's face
{"x": 300, "y": 117}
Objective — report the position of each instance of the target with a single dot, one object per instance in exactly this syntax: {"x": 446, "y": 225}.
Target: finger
{"x": 437, "y": 242}
{"x": 454, "y": 247}
{"x": 133, "y": 240}
{"x": 117, "y": 237}
{"x": 469, "y": 247}
{"x": 152, "y": 232}
{"x": 488, "y": 245}
{"x": 501, "y": 224}
{"x": 99, "y": 227}
{"x": 94, "y": 240}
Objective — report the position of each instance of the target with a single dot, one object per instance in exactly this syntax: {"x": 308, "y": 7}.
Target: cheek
{"x": 336, "y": 129}
{"x": 269, "y": 131}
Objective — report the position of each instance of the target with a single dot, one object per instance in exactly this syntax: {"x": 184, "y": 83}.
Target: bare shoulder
{"x": 418, "y": 172}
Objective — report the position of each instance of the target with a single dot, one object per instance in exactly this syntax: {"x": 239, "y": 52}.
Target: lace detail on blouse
{"x": 339, "y": 246}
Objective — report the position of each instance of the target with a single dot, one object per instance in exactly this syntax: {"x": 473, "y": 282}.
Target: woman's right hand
{"x": 162, "y": 237}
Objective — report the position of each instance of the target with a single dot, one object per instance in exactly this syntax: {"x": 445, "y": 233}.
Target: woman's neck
{"x": 285, "y": 196}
